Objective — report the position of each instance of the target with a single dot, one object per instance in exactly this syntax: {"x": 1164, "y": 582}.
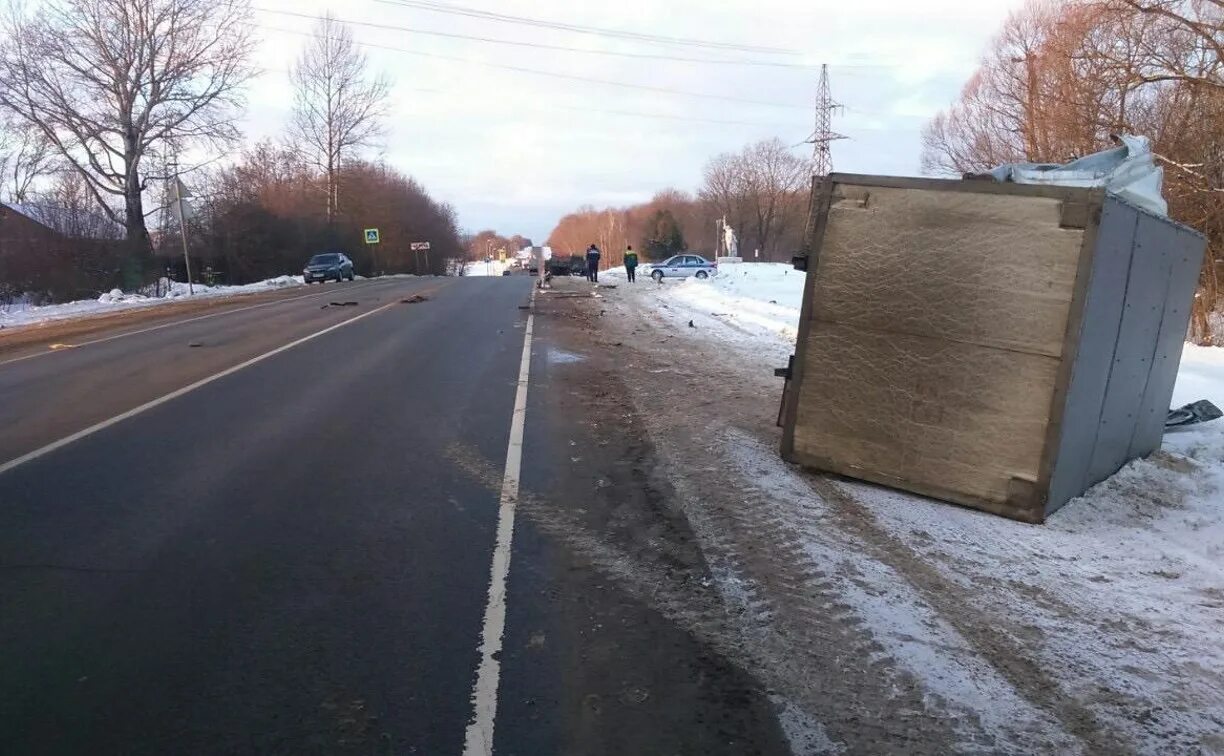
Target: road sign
{"x": 420, "y": 246}
{"x": 371, "y": 236}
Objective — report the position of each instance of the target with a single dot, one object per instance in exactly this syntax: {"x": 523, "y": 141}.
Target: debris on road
{"x": 414, "y": 299}
{"x": 342, "y": 304}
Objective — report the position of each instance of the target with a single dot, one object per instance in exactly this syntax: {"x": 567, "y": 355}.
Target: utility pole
{"x": 178, "y": 198}
{"x": 823, "y": 135}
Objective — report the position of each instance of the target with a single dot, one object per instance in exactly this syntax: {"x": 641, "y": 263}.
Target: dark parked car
{"x": 329, "y": 266}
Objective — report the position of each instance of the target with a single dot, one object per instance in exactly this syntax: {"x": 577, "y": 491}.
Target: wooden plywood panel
{"x": 1097, "y": 340}
{"x": 989, "y": 269}
{"x": 923, "y": 413}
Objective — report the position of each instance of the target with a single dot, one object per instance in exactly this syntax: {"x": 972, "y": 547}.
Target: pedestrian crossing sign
{"x": 371, "y": 236}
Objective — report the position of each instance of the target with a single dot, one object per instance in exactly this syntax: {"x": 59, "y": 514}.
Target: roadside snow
{"x": 20, "y": 314}
{"x": 752, "y": 305}
{"x": 1118, "y": 600}
{"x": 1113, "y": 610}
{"x": 494, "y": 268}
{"x": 1122, "y": 590}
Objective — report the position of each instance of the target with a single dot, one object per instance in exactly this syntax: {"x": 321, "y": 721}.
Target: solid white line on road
{"x": 179, "y": 392}
{"x": 176, "y": 322}
{"x": 478, "y": 740}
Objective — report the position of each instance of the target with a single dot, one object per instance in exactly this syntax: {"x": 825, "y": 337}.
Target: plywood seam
{"x": 1096, "y": 435}
{"x": 1081, "y": 291}
{"x": 1147, "y": 379}
{"x": 965, "y": 342}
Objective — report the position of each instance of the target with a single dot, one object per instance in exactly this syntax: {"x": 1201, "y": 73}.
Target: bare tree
{"x": 338, "y": 108}
{"x": 25, "y": 156}
{"x": 109, "y": 81}
{"x": 760, "y": 190}
{"x": 1061, "y": 78}
{"x": 1188, "y": 45}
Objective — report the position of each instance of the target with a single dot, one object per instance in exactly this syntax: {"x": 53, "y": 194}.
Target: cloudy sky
{"x": 516, "y": 135}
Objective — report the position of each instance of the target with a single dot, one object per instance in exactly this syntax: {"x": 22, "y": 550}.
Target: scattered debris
{"x": 415, "y": 299}
{"x": 62, "y": 346}
{"x": 1192, "y": 414}
{"x": 343, "y": 304}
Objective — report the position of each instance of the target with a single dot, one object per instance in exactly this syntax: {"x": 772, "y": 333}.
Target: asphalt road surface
{"x": 274, "y": 529}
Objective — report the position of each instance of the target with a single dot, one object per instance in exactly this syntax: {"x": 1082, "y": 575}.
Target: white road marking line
{"x": 478, "y": 741}
{"x": 179, "y": 392}
{"x": 175, "y": 322}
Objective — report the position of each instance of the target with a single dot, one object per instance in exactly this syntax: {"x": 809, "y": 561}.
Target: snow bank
{"x": 1117, "y": 598}
{"x": 20, "y": 314}
{"x": 494, "y": 268}
{"x": 751, "y": 300}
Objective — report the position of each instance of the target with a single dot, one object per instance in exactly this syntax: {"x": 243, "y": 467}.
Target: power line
{"x": 560, "y": 48}
{"x": 436, "y": 7}
{"x": 575, "y": 108}
{"x": 556, "y": 75}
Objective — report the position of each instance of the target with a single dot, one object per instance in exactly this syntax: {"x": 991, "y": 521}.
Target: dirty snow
{"x": 1119, "y": 598}
{"x": 1109, "y": 618}
{"x": 19, "y": 314}
{"x": 1122, "y": 591}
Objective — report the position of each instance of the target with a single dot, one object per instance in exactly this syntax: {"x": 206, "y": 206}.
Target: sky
{"x": 516, "y": 135}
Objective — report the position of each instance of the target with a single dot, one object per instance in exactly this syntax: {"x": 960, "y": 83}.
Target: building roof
{"x": 72, "y": 222}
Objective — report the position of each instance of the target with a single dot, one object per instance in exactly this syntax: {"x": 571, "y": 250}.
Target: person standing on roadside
{"x": 631, "y": 262}
{"x": 592, "y": 258}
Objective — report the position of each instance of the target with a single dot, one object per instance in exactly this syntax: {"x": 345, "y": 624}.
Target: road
{"x": 275, "y": 529}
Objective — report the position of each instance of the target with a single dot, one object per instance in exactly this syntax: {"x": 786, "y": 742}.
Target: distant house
{"x": 66, "y": 222}
{"x": 55, "y": 253}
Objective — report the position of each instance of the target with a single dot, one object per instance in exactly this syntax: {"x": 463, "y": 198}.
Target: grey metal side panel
{"x": 1184, "y": 251}
{"x": 1137, "y": 337}
{"x": 1097, "y": 341}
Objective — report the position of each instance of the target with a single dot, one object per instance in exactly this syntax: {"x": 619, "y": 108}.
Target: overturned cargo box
{"x": 996, "y": 345}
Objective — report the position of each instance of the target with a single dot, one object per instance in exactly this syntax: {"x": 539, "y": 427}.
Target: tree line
{"x": 104, "y": 105}
{"x": 761, "y": 192}
{"x": 1062, "y": 77}
{"x": 489, "y": 243}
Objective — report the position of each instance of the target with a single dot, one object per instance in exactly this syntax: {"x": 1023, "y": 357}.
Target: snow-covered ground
{"x": 1110, "y": 617}
{"x": 747, "y": 302}
{"x": 19, "y": 314}
{"x": 755, "y": 302}
{"x": 494, "y": 268}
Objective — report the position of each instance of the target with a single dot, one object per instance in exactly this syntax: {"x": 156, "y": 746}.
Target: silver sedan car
{"x": 683, "y": 266}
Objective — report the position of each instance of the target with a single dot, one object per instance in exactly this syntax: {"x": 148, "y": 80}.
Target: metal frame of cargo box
{"x": 1056, "y": 483}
